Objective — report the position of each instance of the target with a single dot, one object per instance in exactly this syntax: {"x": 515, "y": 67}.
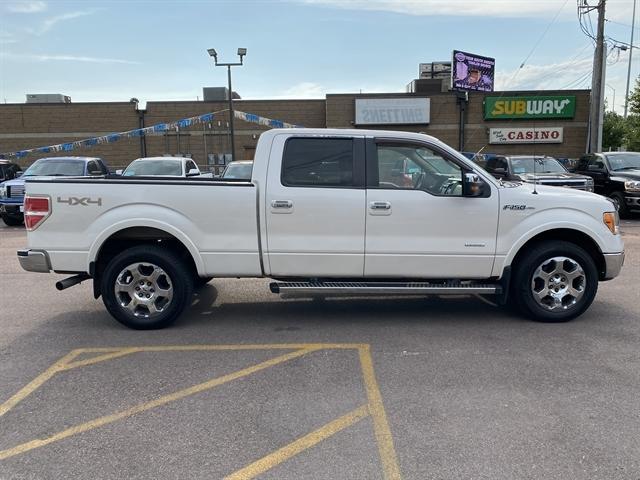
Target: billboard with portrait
{"x": 472, "y": 72}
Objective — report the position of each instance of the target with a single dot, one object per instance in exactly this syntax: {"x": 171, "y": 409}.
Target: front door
{"x": 315, "y": 207}
{"x": 418, "y": 223}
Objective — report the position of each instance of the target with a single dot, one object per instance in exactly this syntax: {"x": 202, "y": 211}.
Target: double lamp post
{"x": 241, "y": 53}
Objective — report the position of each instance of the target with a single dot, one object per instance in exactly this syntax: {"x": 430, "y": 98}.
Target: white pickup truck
{"x": 326, "y": 213}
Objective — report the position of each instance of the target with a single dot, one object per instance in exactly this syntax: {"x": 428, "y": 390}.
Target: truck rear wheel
{"x": 555, "y": 281}
{"x": 146, "y": 287}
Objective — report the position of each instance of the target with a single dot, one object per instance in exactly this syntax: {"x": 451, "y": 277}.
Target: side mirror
{"x": 119, "y": 171}
{"x": 19, "y": 174}
{"x": 472, "y": 185}
{"x": 93, "y": 173}
{"x": 194, "y": 172}
{"x": 595, "y": 168}
{"x": 499, "y": 171}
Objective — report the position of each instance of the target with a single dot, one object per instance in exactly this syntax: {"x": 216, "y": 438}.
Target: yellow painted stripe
{"x": 311, "y": 439}
{"x": 201, "y": 387}
{"x": 380, "y": 424}
{"x": 34, "y": 384}
{"x": 100, "y": 358}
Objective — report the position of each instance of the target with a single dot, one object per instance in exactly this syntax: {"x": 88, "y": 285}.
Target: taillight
{"x": 36, "y": 211}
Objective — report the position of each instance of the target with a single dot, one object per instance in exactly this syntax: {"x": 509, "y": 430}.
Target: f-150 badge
{"x": 517, "y": 207}
{"x": 84, "y": 201}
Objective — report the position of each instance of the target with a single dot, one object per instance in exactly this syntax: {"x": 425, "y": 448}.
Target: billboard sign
{"x": 393, "y": 111}
{"x": 556, "y": 106}
{"x": 472, "y": 72}
{"x": 526, "y": 135}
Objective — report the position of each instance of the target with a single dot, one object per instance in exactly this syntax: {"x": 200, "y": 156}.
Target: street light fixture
{"x": 241, "y": 53}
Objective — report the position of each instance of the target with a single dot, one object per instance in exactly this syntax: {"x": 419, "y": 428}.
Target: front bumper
{"x": 613, "y": 264}
{"x": 632, "y": 200}
{"x": 11, "y": 208}
{"x": 34, "y": 261}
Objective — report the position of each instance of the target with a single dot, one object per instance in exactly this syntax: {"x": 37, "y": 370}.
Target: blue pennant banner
{"x": 153, "y": 129}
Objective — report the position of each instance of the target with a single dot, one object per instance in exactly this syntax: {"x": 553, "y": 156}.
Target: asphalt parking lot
{"x": 247, "y": 385}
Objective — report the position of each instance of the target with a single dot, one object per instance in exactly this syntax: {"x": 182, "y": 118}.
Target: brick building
{"x": 24, "y": 126}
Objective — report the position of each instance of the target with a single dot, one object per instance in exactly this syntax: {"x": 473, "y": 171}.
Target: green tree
{"x": 632, "y": 133}
{"x": 613, "y": 131}
{"x": 634, "y": 98}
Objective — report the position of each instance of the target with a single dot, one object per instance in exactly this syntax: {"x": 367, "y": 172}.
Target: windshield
{"x": 238, "y": 171}
{"x": 536, "y": 165}
{"x": 627, "y": 161}
{"x": 154, "y": 167}
{"x": 56, "y": 168}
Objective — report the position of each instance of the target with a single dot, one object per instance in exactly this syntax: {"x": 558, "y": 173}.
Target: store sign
{"x": 526, "y": 135}
{"x": 393, "y": 111}
{"x": 558, "y": 106}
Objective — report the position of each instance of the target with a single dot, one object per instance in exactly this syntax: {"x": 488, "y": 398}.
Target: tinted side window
{"x": 595, "y": 163}
{"x": 190, "y": 166}
{"x": 318, "y": 162}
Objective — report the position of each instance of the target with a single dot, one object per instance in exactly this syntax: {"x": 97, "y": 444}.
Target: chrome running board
{"x": 329, "y": 288}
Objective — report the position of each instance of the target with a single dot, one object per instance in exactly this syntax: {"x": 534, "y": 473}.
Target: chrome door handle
{"x": 281, "y": 204}
{"x": 380, "y": 206}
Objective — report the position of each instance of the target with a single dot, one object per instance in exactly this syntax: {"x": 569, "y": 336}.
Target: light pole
{"x": 626, "y": 95}
{"x": 241, "y": 53}
{"x": 613, "y": 105}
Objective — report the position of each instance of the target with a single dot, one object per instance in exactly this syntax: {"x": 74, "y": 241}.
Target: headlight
{"x": 590, "y": 184}
{"x": 612, "y": 221}
{"x": 632, "y": 185}
{"x": 3, "y": 191}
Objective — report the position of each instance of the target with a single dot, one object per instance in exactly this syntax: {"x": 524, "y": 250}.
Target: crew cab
{"x": 12, "y": 191}
{"x": 616, "y": 176}
{"x": 542, "y": 170}
{"x": 328, "y": 213}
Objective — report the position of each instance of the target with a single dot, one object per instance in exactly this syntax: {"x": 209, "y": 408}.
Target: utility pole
{"x": 626, "y": 96}
{"x": 597, "y": 85}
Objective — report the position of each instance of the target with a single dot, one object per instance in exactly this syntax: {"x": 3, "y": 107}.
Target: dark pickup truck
{"x": 541, "y": 170}
{"x": 12, "y": 191}
{"x": 616, "y": 175}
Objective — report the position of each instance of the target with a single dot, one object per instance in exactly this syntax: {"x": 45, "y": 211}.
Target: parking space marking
{"x": 172, "y": 397}
{"x": 373, "y": 408}
{"x": 294, "y": 448}
{"x": 37, "y": 382}
{"x": 380, "y": 423}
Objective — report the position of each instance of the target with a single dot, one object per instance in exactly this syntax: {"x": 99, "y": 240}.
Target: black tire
{"x": 200, "y": 282}
{"x": 175, "y": 279}
{"x": 623, "y": 209}
{"x": 540, "y": 261}
{"x": 12, "y": 220}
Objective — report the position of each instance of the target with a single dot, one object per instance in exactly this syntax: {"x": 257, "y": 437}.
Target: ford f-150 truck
{"x": 326, "y": 213}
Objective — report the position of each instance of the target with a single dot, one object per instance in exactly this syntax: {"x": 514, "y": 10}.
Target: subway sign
{"x": 556, "y": 106}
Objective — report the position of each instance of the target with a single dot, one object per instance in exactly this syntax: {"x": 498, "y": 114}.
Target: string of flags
{"x": 151, "y": 130}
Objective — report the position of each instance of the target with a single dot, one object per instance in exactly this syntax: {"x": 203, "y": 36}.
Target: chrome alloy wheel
{"x": 144, "y": 289}
{"x": 558, "y": 283}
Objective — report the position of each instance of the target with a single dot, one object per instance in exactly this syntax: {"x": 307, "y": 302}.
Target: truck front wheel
{"x": 555, "y": 281}
{"x": 146, "y": 287}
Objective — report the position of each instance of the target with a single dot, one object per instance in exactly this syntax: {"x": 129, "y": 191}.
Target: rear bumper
{"x": 34, "y": 261}
{"x": 613, "y": 264}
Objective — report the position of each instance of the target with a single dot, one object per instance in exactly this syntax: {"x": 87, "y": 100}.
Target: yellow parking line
{"x": 34, "y": 384}
{"x": 201, "y": 387}
{"x": 380, "y": 424}
{"x": 100, "y": 358}
{"x": 311, "y": 439}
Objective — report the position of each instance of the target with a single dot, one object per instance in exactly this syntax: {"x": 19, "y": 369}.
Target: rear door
{"x": 315, "y": 206}
{"x": 418, "y": 223}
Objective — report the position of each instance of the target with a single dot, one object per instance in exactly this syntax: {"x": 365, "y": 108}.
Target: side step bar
{"x": 306, "y": 289}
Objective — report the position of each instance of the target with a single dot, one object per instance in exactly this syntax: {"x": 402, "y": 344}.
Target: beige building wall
{"x": 25, "y": 126}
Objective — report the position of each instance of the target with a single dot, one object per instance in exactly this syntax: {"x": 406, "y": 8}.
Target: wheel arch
{"x": 132, "y": 236}
{"x": 577, "y": 237}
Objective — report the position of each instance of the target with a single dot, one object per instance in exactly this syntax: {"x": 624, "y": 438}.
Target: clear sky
{"x": 112, "y": 50}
